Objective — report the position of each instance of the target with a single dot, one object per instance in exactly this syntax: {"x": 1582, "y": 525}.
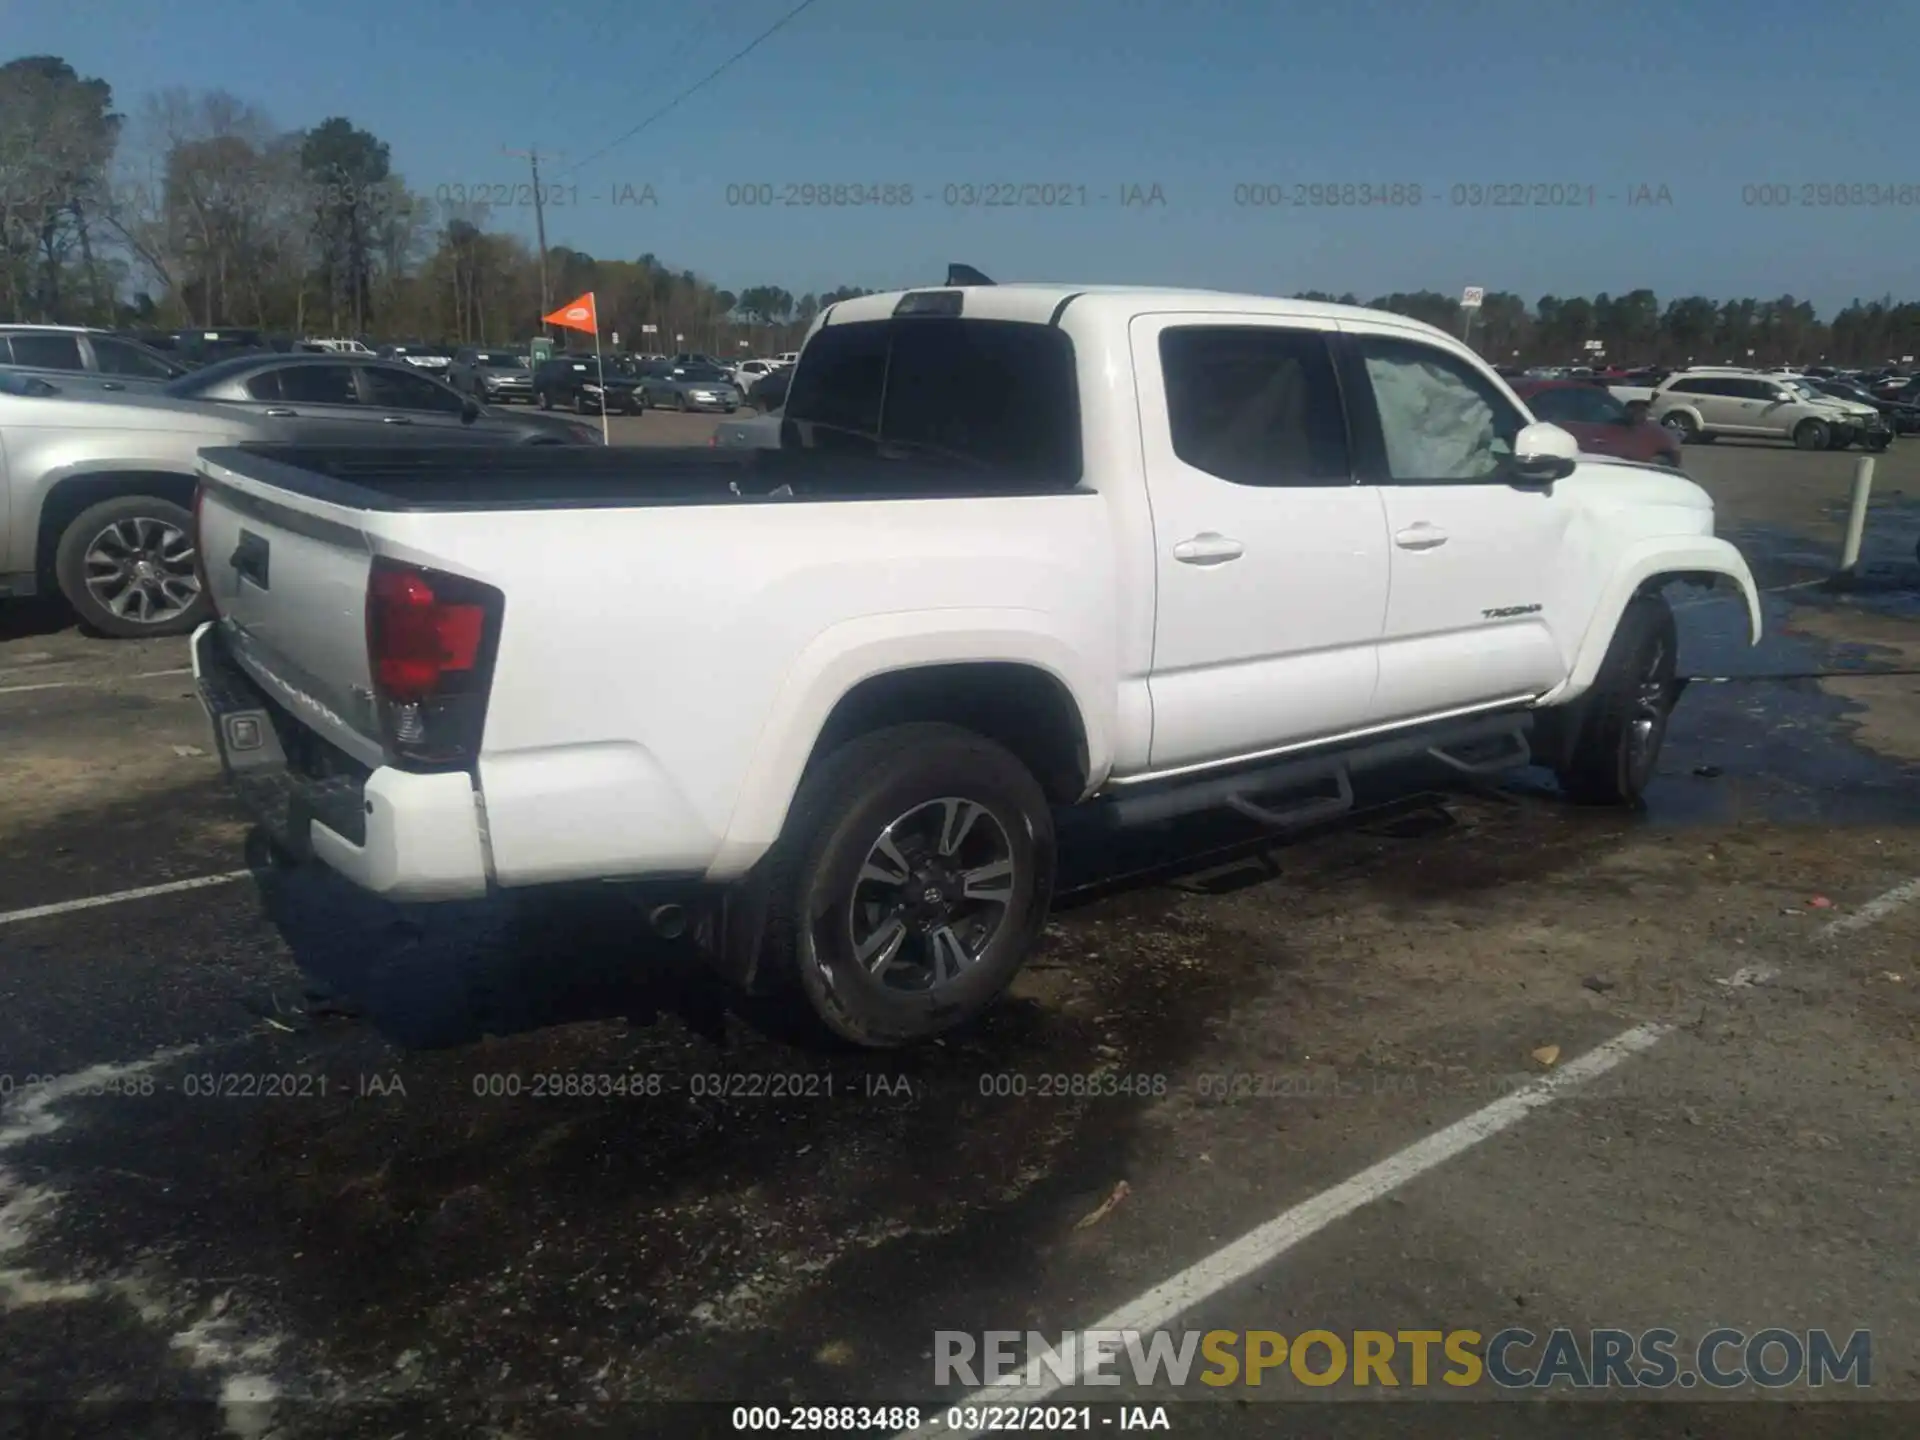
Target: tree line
{"x": 202, "y": 212}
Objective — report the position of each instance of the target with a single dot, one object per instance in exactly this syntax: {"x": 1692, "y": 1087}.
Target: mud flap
{"x": 731, "y": 932}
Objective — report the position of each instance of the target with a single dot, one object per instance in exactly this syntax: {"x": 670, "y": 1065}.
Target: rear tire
{"x": 1811, "y": 435}
{"x": 106, "y": 543}
{"x": 1627, "y": 710}
{"x": 827, "y": 895}
{"x": 1682, "y": 426}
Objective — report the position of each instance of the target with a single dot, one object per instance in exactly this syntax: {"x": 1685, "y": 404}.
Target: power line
{"x": 701, "y": 83}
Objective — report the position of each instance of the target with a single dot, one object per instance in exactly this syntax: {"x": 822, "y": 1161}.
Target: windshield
{"x": 503, "y": 360}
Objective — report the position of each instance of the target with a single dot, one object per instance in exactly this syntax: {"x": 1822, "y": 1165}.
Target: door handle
{"x": 283, "y": 414}
{"x": 111, "y": 385}
{"x": 395, "y": 420}
{"x": 1420, "y": 537}
{"x": 1208, "y": 548}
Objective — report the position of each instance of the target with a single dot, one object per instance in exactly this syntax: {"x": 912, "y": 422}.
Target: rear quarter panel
{"x": 663, "y": 672}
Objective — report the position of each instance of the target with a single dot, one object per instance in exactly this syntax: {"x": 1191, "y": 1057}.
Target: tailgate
{"x": 287, "y": 575}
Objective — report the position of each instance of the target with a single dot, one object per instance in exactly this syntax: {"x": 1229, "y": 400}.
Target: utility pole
{"x": 532, "y": 157}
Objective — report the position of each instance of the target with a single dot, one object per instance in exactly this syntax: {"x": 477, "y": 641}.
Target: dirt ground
{"x": 278, "y": 1159}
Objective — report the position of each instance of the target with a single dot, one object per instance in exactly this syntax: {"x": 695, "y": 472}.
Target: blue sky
{"x": 1705, "y": 97}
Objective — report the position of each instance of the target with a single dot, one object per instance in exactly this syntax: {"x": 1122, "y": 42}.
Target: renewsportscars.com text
{"x": 1511, "y": 1359}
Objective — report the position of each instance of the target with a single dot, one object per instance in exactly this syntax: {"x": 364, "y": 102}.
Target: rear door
{"x": 1270, "y": 557}
{"x": 313, "y": 404}
{"x": 120, "y": 364}
{"x": 1470, "y": 621}
{"x": 52, "y": 353}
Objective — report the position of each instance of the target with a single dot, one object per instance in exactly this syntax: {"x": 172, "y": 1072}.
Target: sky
{"x": 1173, "y": 122}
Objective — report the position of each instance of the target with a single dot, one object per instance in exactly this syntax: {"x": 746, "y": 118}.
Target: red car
{"x": 1599, "y": 421}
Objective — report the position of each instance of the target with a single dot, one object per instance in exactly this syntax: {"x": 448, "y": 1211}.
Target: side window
{"x": 265, "y": 386}
{"x": 1757, "y": 389}
{"x": 1441, "y": 419}
{"x": 117, "y": 357}
{"x": 841, "y": 382}
{"x": 317, "y": 385}
{"x": 999, "y": 392}
{"x": 397, "y": 390}
{"x": 1684, "y": 387}
{"x": 47, "y": 352}
{"x": 1255, "y": 405}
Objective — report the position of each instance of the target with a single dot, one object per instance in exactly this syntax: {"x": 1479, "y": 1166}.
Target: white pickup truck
{"x": 1020, "y": 547}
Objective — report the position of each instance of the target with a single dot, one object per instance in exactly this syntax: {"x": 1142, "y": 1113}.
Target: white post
{"x": 1857, "y": 515}
{"x": 600, "y": 366}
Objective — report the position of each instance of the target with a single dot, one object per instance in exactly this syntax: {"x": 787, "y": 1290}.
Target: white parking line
{"x": 1873, "y": 911}
{"x": 94, "y": 902}
{"x": 92, "y": 684}
{"x": 221, "y": 1341}
{"x": 1261, "y": 1246}
{"x": 1258, "y": 1248}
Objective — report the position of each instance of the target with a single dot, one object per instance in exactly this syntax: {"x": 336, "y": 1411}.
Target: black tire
{"x": 1811, "y": 435}
{"x": 1880, "y": 444}
{"x": 71, "y": 567}
{"x": 812, "y": 876}
{"x": 580, "y": 404}
{"x": 1682, "y": 425}
{"x": 546, "y": 399}
{"x": 1613, "y": 759}
{"x": 680, "y": 401}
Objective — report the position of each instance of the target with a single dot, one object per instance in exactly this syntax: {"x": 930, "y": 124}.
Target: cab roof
{"x": 1042, "y": 304}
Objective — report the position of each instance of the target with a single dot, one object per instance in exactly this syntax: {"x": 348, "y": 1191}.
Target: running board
{"x": 1479, "y": 747}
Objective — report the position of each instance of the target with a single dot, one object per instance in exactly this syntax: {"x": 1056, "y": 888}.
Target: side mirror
{"x": 1542, "y": 454}
{"x": 469, "y": 410}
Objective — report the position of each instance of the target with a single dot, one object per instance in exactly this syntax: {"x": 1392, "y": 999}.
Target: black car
{"x": 206, "y": 347}
{"x": 587, "y": 384}
{"x": 1902, "y": 416}
{"x": 358, "y": 400}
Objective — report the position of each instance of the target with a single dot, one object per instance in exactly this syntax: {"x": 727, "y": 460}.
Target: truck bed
{"x": 564, "y": 477}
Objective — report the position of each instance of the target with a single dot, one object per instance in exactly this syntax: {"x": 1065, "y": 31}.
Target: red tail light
{"x": 430, "y": 644}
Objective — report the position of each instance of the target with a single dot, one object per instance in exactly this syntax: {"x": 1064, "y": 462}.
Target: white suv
{"x": 1705, "y": 403}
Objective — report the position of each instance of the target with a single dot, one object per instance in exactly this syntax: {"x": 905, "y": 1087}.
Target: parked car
{"x": 209, "y": 346}
{"x": 748, "y": 372}
{"x": 672, "y": 386}
{"x": 1703, "y": 404}
{"x": 495, "y": 376}
{"x": 427, "y": 358}
{"x": 69, "y": 354}
{"x": 341, "y": 346}
{"x": 854, "y": 806}
{"x": 1602, "y": 424}
{"x": 345, "y": 399}
{"x": 587, "y": 384}
{"x": 771, "y": 393}
{"x": 787, "y": 357}
{"x": 1902, "y": 417}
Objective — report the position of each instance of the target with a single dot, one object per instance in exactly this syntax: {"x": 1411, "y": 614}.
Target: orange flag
{"x": 580, "y": 315}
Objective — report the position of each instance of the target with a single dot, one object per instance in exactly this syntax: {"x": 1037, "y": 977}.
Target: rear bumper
{"x": 402, "y": 835}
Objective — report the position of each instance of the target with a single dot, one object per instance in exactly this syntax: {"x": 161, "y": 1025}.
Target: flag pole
{"x": 593, "y": 303}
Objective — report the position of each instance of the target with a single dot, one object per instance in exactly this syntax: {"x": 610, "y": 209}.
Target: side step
{"x": 1485, "y": 745}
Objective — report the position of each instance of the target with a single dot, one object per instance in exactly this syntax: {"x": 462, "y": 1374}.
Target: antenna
{"x": 965, "y": 275}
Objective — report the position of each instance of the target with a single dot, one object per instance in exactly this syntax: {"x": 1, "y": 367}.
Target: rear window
{"x": 997, "y": 392}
